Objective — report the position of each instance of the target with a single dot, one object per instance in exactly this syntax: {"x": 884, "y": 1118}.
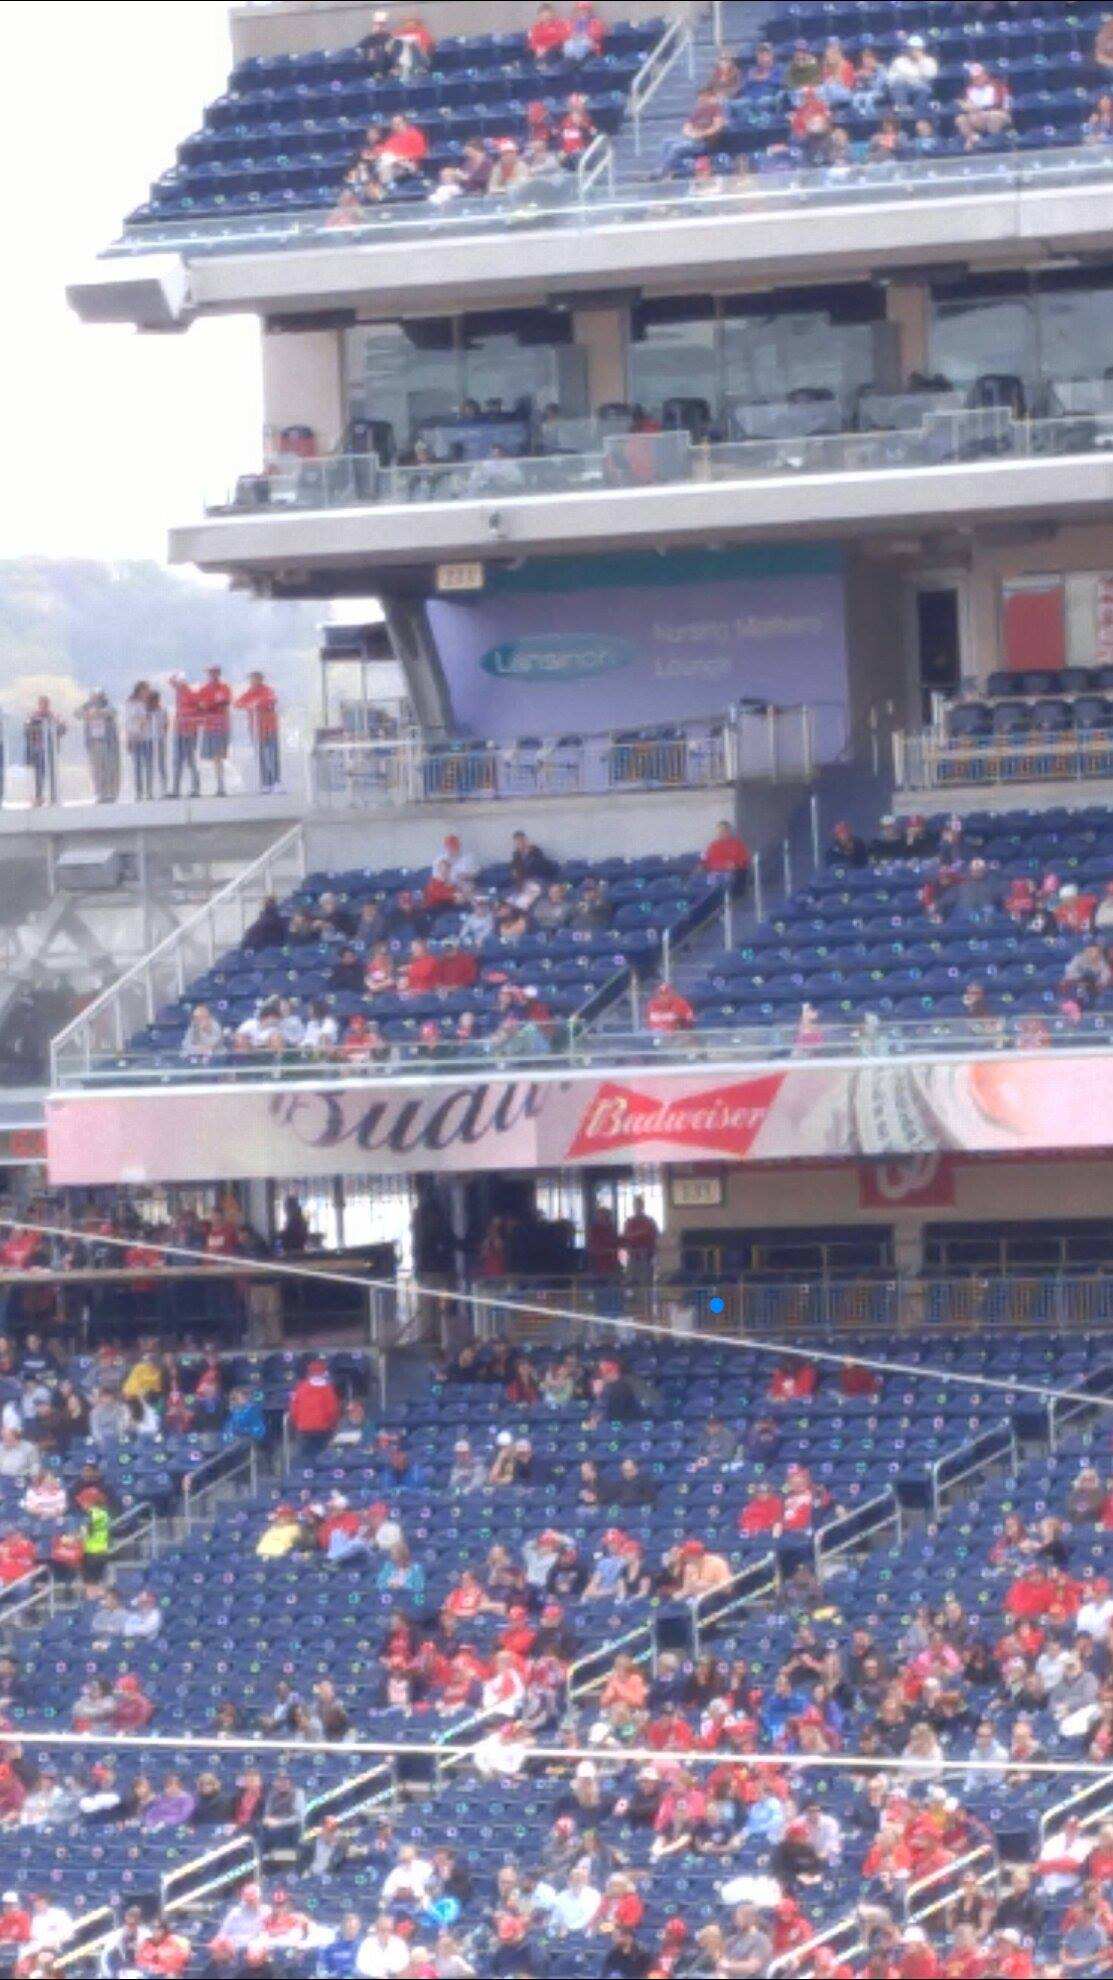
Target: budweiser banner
{"x": 882, "y": 1109}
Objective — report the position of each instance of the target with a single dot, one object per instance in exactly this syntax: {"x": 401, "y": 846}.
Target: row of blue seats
{"x": 881, "y": 23}
{"x": 422, "y": 100}
{"x": 997, "y": 721}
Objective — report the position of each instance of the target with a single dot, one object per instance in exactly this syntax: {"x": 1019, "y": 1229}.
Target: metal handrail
{"x": 971, "y": 1458}
{"x": 847, "y": 1044}
{"x": 245, "y": 1868}
{"x": 929, "y": 762}
{"x": 1061, "y": 1410}
{"x": 596, "y": 163}
{"x": 91, "y": 1934}
{"x": 382, "y": 1778}
{"x": 802, "y": 189}
{"x": 865, "y": 1522}
{"x": 140, "y": 972}
{"x": 1089, "y": 1805}
{"x": 136, "y": 1526}
{"x": 677, "y": 40}
{"x": 29, "y": 1592}
{"x": 221, "y": 1469}
{"x": 749, "y": 1584}
{"x": 950, "y": 1874}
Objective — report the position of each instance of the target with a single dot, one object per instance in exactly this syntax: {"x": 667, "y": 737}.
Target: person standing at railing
{"x": 160, "y": 726}
{"x": 187, "y": 728}
{"x": 260, "y": 704}
{"x": 42, "y": 733}
{"x": 138, "y": 738}
{"x": 639, "y": 1244}
{"x": 214, "y": 698}
{"x": 102, "y": 746}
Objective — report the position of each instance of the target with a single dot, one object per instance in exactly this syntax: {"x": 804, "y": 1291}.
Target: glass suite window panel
{"x": 674, "y": 361}
{"x": 992, "y": 334}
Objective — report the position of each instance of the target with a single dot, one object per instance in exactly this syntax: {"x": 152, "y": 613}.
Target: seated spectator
{"x": 912, "y": 74}
{"x": 301, "y": 933}
{"x": 575, "y": 131}
{"x": 763, "y": 77}
{"x": 846, "y": 848}
{"x": 475, "y": 168}
{"x": 700, "y": 133}
{"x": 1103, "y": 43}
{"x": 1087, "y": 975}
{"x": 810, "y": 124}
{"x": 871, "y": 83}
{"x": 402, "y": 152}
{"x": 726, "y": 77}
{"x": 1098, "y": 128}
{"x": 667, "y": 1012}
{"x": 378, "y": 47}
{"x": 347, "y": 973}
{"x": 726, "y": 852}
{"x": 510, "y": 171}
{"x": 528, "y": 863}
{"x": 332, "y": 921}
{"x": 363, "y": 1042}
{"x": 587, "y": 33}
{"x": 547, "y": 36}
{"x": 888, "y": 142}
{"x": 1075, "y": 910}
{"x": 421, "y": 974}
{"x": 591, "y": 908}
{"x": 262, "y": 1032}
{"x": 413, "y": 47}
{"x": 837, "y": 75}
{"x": 204, "y": 1035}
{"x": 440, "y": 891}
{"x": 322, "y": 1033}
{"x": 554, "y": 909}
{"x": 379, "y": 974}
{"x": 984, "y": 108}
{"x": 803, "y": 71}
{"x": 268, "y": 930}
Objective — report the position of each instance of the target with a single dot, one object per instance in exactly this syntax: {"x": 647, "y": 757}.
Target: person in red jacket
{"x": 133, "y": 1709}
{"x": 668, "y": 1012}
{"x": 163, "y": 1951}
{"x": 727, "y": 853}
{"x": 314, "y": 1409}
{"x": 18, "y": 1555}
{"x": 422, "y": 971}
{"x": 15, "y": 1921}
{"x": 854, "y": 1380}
{"x": 547, "y": 36}
{"x": 259, "y": 703}
{"x": 794, "y": 1381}
{"x": 21, "y": 1250}
{"x": 763, "y": 1511}
{"x": 214, "y": 701}
{"x": 402, "y": 152}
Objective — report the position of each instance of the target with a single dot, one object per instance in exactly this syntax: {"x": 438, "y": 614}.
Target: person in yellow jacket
{"x": 143, "y": 1380}
{"x": 280, "y": 1535}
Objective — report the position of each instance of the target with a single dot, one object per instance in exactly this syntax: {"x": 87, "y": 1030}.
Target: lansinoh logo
{"x": 557, "y": 657}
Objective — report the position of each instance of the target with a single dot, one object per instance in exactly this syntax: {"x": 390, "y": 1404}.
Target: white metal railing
{"x": 595, "y": 164}
{"x": 927, "y": 1895}
{"x": 30, "y": 1600}
{"x": 1085, "y": 171}
{"x": 350, "y": 1798}
{"x": 591, "y": 1670}
{"x": 135, "y": 1531}
{"x": 970, "y": 1459}
{"x": 79, "y": 773}
{"x": 743, "y": 745}
{"x": 628, "y": 463}
{"x": 235, "y": 1862}
{"x": 678, "y": 40}
{"x": 933, "y": 762}
{"x": 750, "y": 1584}
{"x": 865, "y": 1522}
{"x": 577, "y": 1048}
{"x": 1062, "y": 1410}
{"x": 108, "y": 1023}
{"x": 221, "y": 1476}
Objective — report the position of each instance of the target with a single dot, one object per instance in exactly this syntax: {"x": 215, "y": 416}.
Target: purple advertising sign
{"x": 613, "y": 655}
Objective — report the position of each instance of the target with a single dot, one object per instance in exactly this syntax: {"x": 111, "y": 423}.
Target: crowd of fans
{"x": 1023, "y": 1674}
{"x": 164, "y": 737}
{"x": 969, "y": 888}
{"x": 819, "y": 92}
{"x": 396, "y": 153}
{"x": 392, "y": 949}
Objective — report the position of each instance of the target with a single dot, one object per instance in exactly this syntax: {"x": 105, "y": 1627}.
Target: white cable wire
{"x": 783, "y": 1350}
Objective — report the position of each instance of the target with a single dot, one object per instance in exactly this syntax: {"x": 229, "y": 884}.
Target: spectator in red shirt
{"x": 438, "y": 891}
{"x": 15, "y": 1922}
{"x": 854, "y": 1380}
{"x": 727, "y": 853}
{"x": 576, "y": 130}
{"x": 260, "y": 704}
{"x": 132, "y": 1708}
{"x": 18, "y": 1555}
{"x": 795, "y": 1381}
{"x": 422, "y": 971}
{"x": 187, "y": 728}
{"x": 214, "y": 701}
{"x": 667, "y": 1011}
{"x": 763, "y": 1511}
{"x": 547, "y": 36}
{"x": 402, "y": 152}
{"x": 21, "y": 1250}
{"x": 314, "y": 1409}
{"x": 1074, "y": 910}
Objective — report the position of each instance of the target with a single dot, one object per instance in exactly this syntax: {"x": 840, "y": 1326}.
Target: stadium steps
{"x": 742, "y": 20}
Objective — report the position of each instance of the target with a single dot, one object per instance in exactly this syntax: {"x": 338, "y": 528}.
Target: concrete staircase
{"x": 668, "y": 108}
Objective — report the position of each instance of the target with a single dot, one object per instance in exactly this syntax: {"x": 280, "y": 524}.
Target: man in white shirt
{"x": 243, "y": 1922}
{"x": 384, "y": 1952}
{"x": 1096, "y": 1613}
{"x": 51, "y": 1926}
{"x": 18, "y": 1458}
{"x": 460, "y": 867}
{"x": 575, "y": 1906}
{"x": 410, "y": 1876}
{"x": 912, "y": 74}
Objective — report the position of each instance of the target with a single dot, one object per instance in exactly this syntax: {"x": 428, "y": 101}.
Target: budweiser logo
{"x": 724, "y": 1120}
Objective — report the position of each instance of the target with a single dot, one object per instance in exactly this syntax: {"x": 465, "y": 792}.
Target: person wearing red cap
{"x": 314, "y": 1410}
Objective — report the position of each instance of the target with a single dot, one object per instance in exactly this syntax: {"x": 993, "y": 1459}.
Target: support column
{"x": 908, "y": 314}
{"x": 605, "y": 336}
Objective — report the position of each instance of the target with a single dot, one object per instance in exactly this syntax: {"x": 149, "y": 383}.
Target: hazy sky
{"x": 112, "y": 436}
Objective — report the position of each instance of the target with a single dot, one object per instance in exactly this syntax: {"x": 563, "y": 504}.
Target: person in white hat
{"x": 912, "y": 75}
